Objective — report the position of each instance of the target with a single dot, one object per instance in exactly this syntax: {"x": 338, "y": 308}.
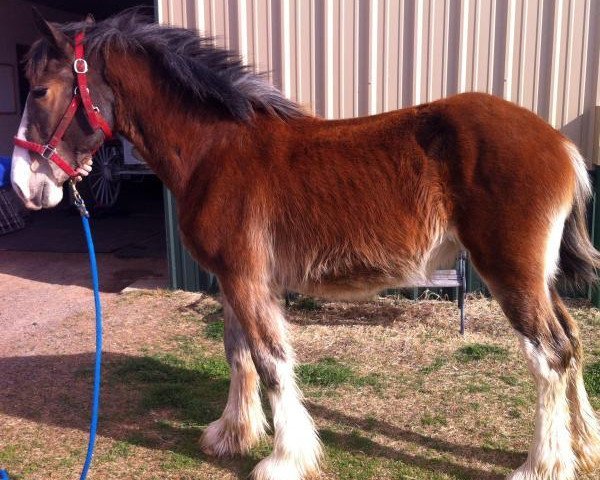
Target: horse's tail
{"x": 579, "y": 260}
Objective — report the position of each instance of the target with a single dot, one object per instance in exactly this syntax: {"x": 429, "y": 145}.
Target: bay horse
{"x": 271, "y": 199}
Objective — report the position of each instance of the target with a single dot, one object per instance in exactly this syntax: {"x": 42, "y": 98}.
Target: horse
{"x": 273, "y": 199}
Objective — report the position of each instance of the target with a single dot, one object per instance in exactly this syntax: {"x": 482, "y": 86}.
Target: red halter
{"x": 81, "y": 95}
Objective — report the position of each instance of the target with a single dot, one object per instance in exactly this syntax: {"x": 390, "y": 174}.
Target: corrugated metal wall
{"x": 344, "y": 58}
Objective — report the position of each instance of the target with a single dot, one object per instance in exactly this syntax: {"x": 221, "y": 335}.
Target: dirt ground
{"x": 40, "y": 289}
{"x": 395, "y": 391}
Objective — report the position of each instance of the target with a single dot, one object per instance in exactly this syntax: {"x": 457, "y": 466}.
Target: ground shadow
{"x": 494, "y": 456}
{"x": 72, "y": 269}
{"x": 130, "y": 243}
{"x": 369, "y": 313}
{"x": 55, "y": 390}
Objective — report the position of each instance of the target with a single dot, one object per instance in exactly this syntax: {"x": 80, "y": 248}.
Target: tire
{"x": 102, "y": 186}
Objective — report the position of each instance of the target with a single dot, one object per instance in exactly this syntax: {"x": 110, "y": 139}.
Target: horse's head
{"x": 52, "y": 74}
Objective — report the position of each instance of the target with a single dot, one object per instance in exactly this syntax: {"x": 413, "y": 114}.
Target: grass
{"x": 479, "y": 351}
{"x": 478, "y": 387}
{"x": 330, "y": 373}
{"x": 434, "y": 366}
{"x": 8, "y": 454}
{"x": 592, "y": 379}
{"x": 306, "y": 303}
{"x": 194, "y": 387}
{"x": 215, "y": 330}
{"x": 436, "y": 420}
{"x": 352, "y": 455}
{"x": 385, "y": 382}
{"x": 352, "y": 461}
{"x": 117, "y": 451}
{"x": 352, "y": 466}
{"x": 509, "y": 380}
{"x": 179, "y": 461}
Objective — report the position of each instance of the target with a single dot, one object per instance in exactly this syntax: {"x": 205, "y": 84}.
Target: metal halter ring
{"x": 76, "y": 90}
{"x": 78, "y": 200}
{"x": 48, "y": 152}
{"x": 80, "y": 61}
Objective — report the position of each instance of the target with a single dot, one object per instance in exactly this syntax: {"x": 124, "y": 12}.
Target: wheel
{"x": 104, "y": 182}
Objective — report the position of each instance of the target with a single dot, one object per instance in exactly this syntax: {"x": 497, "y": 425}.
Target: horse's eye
{"x": 39, "y": 92}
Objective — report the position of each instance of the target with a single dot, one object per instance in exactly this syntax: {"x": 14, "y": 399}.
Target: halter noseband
{"x": 81, "y": 95}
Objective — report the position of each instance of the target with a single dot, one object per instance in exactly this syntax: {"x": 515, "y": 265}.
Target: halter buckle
{"x": 48, "y": 152}
{"x": 80, "y": 65}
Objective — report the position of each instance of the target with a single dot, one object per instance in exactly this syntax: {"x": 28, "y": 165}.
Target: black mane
{"x": 192, "y": 64}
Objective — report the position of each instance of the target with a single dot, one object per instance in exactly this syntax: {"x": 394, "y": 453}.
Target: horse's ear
{"x": 56, "y": 38}
{"x": 89, "y": 19}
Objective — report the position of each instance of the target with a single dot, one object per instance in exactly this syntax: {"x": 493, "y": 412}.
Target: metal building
{"x": 345, "y": 58}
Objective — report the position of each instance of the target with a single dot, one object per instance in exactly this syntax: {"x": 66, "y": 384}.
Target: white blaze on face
{"x": 21, "y": 164}
{"x": 34, "y": 184}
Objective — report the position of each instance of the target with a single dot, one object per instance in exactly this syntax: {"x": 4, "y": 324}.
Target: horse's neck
{"x": 173, "y": 139}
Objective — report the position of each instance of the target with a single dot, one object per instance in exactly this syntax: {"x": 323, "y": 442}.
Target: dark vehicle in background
{"x": 116, "y": 161}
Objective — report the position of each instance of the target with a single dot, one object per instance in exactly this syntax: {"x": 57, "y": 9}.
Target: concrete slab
{"x": 147, "y": 284}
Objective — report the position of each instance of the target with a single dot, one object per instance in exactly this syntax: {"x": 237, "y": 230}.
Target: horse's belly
{"x": 355, "y": 287}
{"x": 345, "y": 280}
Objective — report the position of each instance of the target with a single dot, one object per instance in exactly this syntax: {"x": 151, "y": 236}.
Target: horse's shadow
{"x": 55, "y": 390}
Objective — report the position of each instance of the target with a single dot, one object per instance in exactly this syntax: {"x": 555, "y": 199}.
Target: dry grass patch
{"x": 395, "y": 391}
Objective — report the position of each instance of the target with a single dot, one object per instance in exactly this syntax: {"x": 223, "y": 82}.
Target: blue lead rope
{"x": 98, "y": 363}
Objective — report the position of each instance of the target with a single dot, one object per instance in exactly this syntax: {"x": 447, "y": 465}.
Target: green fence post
{"x": 474, "y": 281}
{"x": 184, "y": 272}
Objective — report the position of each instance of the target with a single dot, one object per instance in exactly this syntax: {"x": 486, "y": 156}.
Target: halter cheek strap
{"x": 80, "y": 67}
{"x": 81, "y": 96}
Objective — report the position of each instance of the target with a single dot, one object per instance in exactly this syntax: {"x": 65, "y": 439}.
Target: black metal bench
{"x": 454, "y": 278}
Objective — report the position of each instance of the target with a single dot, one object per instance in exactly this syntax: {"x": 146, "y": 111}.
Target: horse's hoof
{"x": 526, "y": 472}
{"x": 272, "y": 468}
{"x": 220, "y": 440}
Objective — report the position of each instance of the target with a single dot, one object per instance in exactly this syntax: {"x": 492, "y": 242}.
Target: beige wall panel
{"x": 377, "y": 56}
{"x": 304, "y": 47}
{"x": 347, "y": 58}
{"x": 527, "y": 58}
{"x": 391, "y": 33}
{"x": 435, "y": 66}
{"x": 481, "y": 70}
{"x": 344, "y": 58}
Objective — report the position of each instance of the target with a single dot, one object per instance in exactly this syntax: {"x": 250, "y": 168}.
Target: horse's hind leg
{"x": 567, "y": 437}
{"x": 584, "y": 426}
{"x": 566, "y": 431}
{"x": 296, "y": 447}
{"x": 520, "y": 282}
{"x": 549, "y": 354}
{"x": 243, "y": 422}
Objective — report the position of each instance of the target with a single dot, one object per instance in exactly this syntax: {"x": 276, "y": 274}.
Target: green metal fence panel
{"x": 184, "y": 272}
{"x": 474, "y": 282}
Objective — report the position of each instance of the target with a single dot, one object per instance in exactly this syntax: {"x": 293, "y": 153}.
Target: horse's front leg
{"x": 243, "y": 421}
{"x": 296, "y": 448}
